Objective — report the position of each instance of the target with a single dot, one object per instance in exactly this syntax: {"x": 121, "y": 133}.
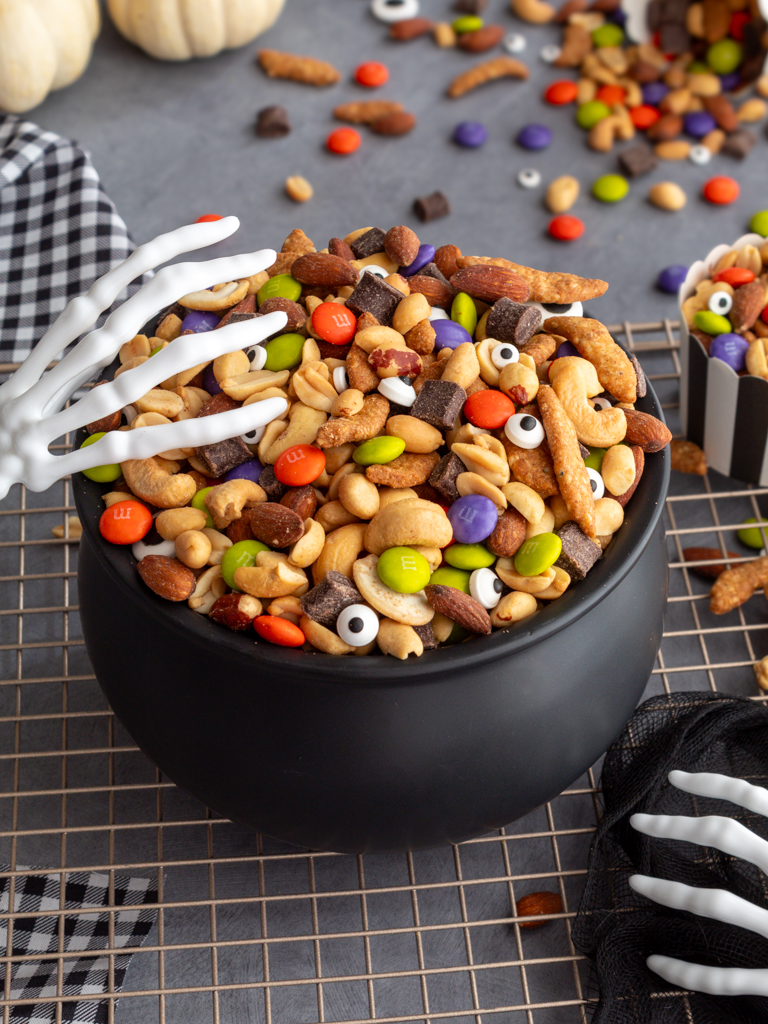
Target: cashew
{"x": 340, "y": 551}
{"x": 557, "y": 587}
{"x": 210, "y": 587}
{"x": 226, "y": 501}
{"x": 307, "y": 549}
{"x": 222, "y": 298}
{"x": 389, "y": 495}
{"x": 408, "y": 522}
{"x": 518, "y": 377}
{"x": 193, "y": 548}
{"x": 151, "y": 483}
{"x": 545, "y": 525}
{"x": 462, "y": 367}
{"x": 512, "y": 608}
{"x": 618, "y": 469}
{"x": 411, "y": 609}
{"x": 489, "y": 462}
{"x": 272, "y": 576}
{"x": 323, "y": 639}
{"x": 175, "y": 521}
{"x": 473, "y": 483}
{"x": 333, "y": 515}
{"x": 609, "y": 515}
{"x": 506, "y": 571}
{"x": 286, "y": 608}
{"x": 359, "y": 495}
{"x": 489, "y": 372}
{"x": 527, "y": 502}
{"x": 574, "y": 382}
{"x": 535, "y": 11}
{"x": 399, "y": 640}
{"x": 411, "y": 311}
{"x": 313, "y": 386}
{"x": 304, "y": 425}
{"x": 165, "y": 402}
{"x": 420, "y": 437}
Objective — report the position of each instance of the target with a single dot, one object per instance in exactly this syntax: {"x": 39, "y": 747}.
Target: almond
{"x": 748, "y": 302}
{"x": 302, "y": 500}
{"x": 275, "y": 525}
{"x": 707, "y": 555}
{"x": 338, "y": 247}
{"x": 421, "y": 338}
{"x": 321, "y": 269}
{"x": 646, "y": 431}
{"x": 401, "y": 244}
{"x": 167, "y": 577}
{"x": 489, "y": 283}
{"x": 459, "y": 608}
{"x": 536, "y": 904}
{"x": 410, "y": 28}
{"x": 399, "y": 123}
{"x": 235, "y": 611}
{"x": 297, "y": 315}
{"x": 483, "y": 39}
{"x": 239, "y": 529}
{"x": 445, "y": 260}
{"x": 508, "y": 535}
{"x": 437, "y": 293}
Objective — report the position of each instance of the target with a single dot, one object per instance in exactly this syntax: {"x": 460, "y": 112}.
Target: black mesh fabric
{"x": 616, "y": 927}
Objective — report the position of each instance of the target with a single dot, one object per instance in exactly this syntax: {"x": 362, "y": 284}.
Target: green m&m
{"x": 403, "y": 570}
{"x": 449, "y": 577}
{"x": 199, "y": 502}
{"x": 239, "y": 556}
{"x": 469, "y": 556}
{"x": 284, "y": 352}
{"x": 724, "y": 56}
{"x": 607, "y": 35}
{"x": 100, "y": 474}
{"x": 469, "y": 23}
{"x": 751, "y": 536}
{"x": 536, "y": 555}
{"x": 610, "y": 188}
{"x": 588, "y": 114}
{"x": 378, "y": 451}
{"x": 759, "y": 223}
{"x": 712, "y": 323}
{"x": 281, "y": 286}
{"x": 464, "y": 312}
{"x": 595, "y": 458}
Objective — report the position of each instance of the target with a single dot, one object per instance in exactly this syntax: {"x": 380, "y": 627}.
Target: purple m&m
{"x": 470, "y": 134}
{"x": 250, "y": 470}
{"x": 699, "y": 123}
{"x": 730, "y": 81}
{"x": 449, "y": 334}
{"x": 534, "y": 136}
{"x": 199, "y": 322}
{"x": 566, "y": 349}
{"x": 731, "y": 348}
{"x": 472, "y": 518}
{"x": 210, "y": 383}
{"x": 670, "y": 278}
{"x": 425, "y": 255}
{"x": 654, "y": 93}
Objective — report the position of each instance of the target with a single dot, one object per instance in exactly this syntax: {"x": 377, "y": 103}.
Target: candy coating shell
{"x": 278, "y": 631}
{"x": 125, "y": 522}
{"x": 299, "y": 465}
{"x": 489, "y": 409}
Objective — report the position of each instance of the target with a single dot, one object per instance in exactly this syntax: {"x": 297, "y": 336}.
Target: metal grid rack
{"x": 250, "y": 930}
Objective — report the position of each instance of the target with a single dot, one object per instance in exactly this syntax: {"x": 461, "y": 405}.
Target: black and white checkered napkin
{"x": 34, "y": 978}
{"x": 59, "y": 232}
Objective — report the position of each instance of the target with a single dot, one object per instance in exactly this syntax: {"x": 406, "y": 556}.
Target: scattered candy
{"x": 101, "y": 474}
{"x": 424, "y": 256}
{"x": 504, "y": 354}
{"x": 284, "y": 352}
{"x": 753, "y": 538}
{"x": 759, "y": 223}
{"x": 566, "y": 228}
{"x": 589, "y": 114}
{"x": 611, "y": 188}
{"x": 700, "y": 155}
{"x": 473, "y": 518}
{"x": 343, "y": 141}
{"x": 735, "y": 276}
{"x": 536, "y": 555}
{"x": 699, "y": 123}
{"x": 278, "y": 631}
{"x": 257, "y": 356}
{"x": 394, "y": 10}
{"x": 299, "y": 465}
{"x": 199, "y": 322}
{"x": 731, "y": 349}
{"x": 464, "y": 312}
{"x": 670, "y": 278}
{"x": 561, "y": 92}
{"x": 357, "y": 625}
{"x": 372, "y": 74}
{"x": 534, "y": 136}
{"x": 240, "y": 556}
{"x": 468, "y": 23}
{"x": 403, "y": 570}
{"x": 643, "y": 117}
{"x": 333, "y": 323}
{"x": 607, "y": 35}
{"x": 340, "y": 379}
{"x": 486, "y": 587}
{"x": 611, "y": 94}
{"x": 654, "y": 93}
{"x": 514, "y": 43}
{"x": 489, "y": 409}
{"x": 529, "y": 177}
{"x": 550, "y": 53}
{"x": 470, "y": 134}
{"x": 567, "y": 348}
{"x": 273, "y": 123}
{"x": 125, "y": 522}
{"x": 721, "y": 190}
{"x": 398, "y": 390}
{"x": 378, "y": 451}
{"x": 431, "y": 207}
{"x": 210, "y": 384}
{"x": 250, "y": 470}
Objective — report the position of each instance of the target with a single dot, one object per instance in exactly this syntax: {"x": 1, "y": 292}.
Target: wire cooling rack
{"x": 249, "y": 930}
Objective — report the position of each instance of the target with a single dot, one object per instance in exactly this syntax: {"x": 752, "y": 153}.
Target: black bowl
{"x": 372, "y": 754}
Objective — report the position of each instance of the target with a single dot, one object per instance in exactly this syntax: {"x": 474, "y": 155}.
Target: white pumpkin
{"x": 44, "y": 45}
{"x": 182, "y": 29}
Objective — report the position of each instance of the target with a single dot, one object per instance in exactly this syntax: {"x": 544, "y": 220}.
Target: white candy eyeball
{"x": 357, "y": 625}
{"x": 130, "y": 412}
{"x": 436, "y": 313}
{"x": 598, "y": 487}
{"x": 144, "y": 547}
{"x": 529, "y": 177}
{"x": 398, "y": 389}
{"x": 253, "y": 436}
{"x": 504, "y": 354}
{"x": 372, "y": 268}
{"x": 549, "y": 309}
{"x": 523, "y": 430}
{"x": 550, "y": 53}
{"x": 394, "y": 10}
{"x": 340, "y": 379}
{"x": 486, "y": 587}
{"x": 700, "y": 155}
{"x": 602, "y": 403}
{"x": 257, "y": 356}
{"x": 720, "y": 302}
{"x": 514, "y": 43}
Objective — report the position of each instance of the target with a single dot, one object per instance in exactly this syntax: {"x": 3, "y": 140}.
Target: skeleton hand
{"x": 31, "y": 404}
{"x": 730, "y": 837}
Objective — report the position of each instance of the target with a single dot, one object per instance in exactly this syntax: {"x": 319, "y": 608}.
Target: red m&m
{"x": 299, "y": 465}
{"x": 372, "y": 74}
{"x": 334, "y": 323}
{"x": 489, "y": 409}
{"x": 561, "y": 92}
{"x": 566, "y": 228}
{"x": 125, "y": 522}
{"x": 643, "y": 116}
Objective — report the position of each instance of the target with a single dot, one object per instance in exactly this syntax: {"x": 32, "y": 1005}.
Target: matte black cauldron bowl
{"x": 362, "y": 754}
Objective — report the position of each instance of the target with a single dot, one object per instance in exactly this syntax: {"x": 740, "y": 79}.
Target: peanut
{"x": 512, "y": 608}
{"x": 340, "y": 551}
{"x": 420, "y": 437}
{"x": 175, "y": 521}
{"x": 609, "y": 515}
{"x": 333, "y": 515}
{"x": 359, "y": 496}
{"x": 323, "y": 639}
{"x": 618, "y": 469}
{"x": 562, "y": 193}
{"x": 667, "y": 196}
{"x": 411, "y": 311}
{"x": 399, "y": 640}
{"x": 193, "y": 548}
{"x": 298, "y": 189}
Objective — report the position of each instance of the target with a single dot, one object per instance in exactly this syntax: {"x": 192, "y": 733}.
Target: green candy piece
{"x": 239, "y": 556}
{"x": 537, "y": 554}
{"x": 724, "y": 56}
{"x": 759, "y": 223}
{"x": 608, "y": 35}
{"x": 284, "y": 352}
{"x": 712, "y": 323}
{"x": 752, "y": 538}
{"x": 378, "y": 451}
{"x": 156, "y": 350}
{"x": 590, "y": 113}
{"x": 199, "y": 502}
{"x": 281, "y": 285}
{"x": 595, "y": 458}
{"x": 100, "y": 474}
{"x": 446, "y": 577}
{"x": 464, "y": 312}
{"x": 469, "y": 23}
{"x": 698, "y": 68}
{"x": 610, "y": 188}
{"x": 403, "y": 570}
{"x": 469, "y": 556}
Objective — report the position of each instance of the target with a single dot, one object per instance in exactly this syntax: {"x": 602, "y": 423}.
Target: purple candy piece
{"x": 473, "y": 518}
{"x": 210, "y": 384}
{"x": 731, "y": 348}
{"x": 566, "y": 349}
{"x": 534, "y": 136}
{"x": 250, "y": 470}
{"x": 199, "y": 322}
{"x": 654, "y": 93}
{"x": 730, "y": 81}
{"x": 699, "y": 123}
{"x": 670, "y": 278}
{"x": 470, "y": 134}
{"x": 618, "y": 17}
{"x": 425, "y": 256}
{"x": 449, "y": 334}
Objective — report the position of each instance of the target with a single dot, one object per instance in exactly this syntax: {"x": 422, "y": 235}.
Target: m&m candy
{"x": 561, "y": 92}
{"x": 125, "y": 522}
{"x": 334, "y": 323}
{"x": 208, "y": 217}
{"x": 343, "y": 141}
{"x": 299, "y": 465}
{"x": 489, "y": 409}
{"x": 721, "y": 190}
{"x": 372, "y": 74}
{"x": 643, "y": 117}
{"x": 566, "y": 228}
{"x": 278, "y": 631}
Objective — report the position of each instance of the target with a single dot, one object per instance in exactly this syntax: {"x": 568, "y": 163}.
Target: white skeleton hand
{"x": 730, "y": 837}
{"x": 31, "y": 402}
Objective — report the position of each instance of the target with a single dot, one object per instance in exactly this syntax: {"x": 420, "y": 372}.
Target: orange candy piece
{"x": 644, "y": 116}
{"x": 208, "y": 217}
{"x": 721, "y": 190}
{"x": 610, "y": 94}
{"x": 735, "y": 276}
{"x": 372, "y": 74}
{"x": 343, "y": 141}
{"x": 561, "y": 92}
{"x": 278, "y": 631}
{"x": 125, "y": 522}
{"x": 299, "y": 465}
{"x": 334, "y": 323}
{"x": 566, "y": 228}
{"x": 489, "y": 409}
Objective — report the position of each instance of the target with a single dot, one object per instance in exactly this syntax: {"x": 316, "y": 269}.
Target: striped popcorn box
{"x": 723, "y": 412}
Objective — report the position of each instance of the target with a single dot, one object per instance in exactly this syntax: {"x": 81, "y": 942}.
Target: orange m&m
{"x": 334, "y": 323}
{"x": 721, "y": 190}
{"x": 372, "y": 74}
{"x": 561, "y": 92}
{"x": 125, "y": 522}
{"x": 735, "y": 276}
{"x": 566, "y": 228}
{"x": 278, "y": 631}
{"x": 299, "y": 465}
{"x": 610, "y": 94}
{"x": 208, "y": 217}
{"x": 343, "y": 141}
{"x": 644, "y": 116}
{"x": 489, "y": 409}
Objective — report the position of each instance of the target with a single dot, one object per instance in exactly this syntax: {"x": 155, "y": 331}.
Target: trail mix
{"x": 728, "y": 312}
{"x": 453, "y": 457}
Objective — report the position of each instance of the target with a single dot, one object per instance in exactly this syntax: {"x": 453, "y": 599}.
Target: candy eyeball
{"x": 130, "y": 412}
{"x": 340, "y": 379}
{"x": 394, "y": 10}
{"x": 357, "y": 625}
{"x": 598, "y": 487}
{"x": 601, "y": 403}
{"x": 514, "y": 42}
{"x": 436, "y": 313}
{"x": 504, "y": 354}
{"x": 529, "y": 177}
{"x": 720, "y": 302}
{"x": 374, "y": 269}
{"x": 398, "y": 390}
{"x": 523, "y": 430}
{"x": 253, "y": 436}
{"x": 550, "y": 53}
{"x": 486, "y": 587}
{"x": 153, "y": 544}
{"x": 549, "y": 309}
{"x": 257, "y": 356}
{"x": 700, "y": 155}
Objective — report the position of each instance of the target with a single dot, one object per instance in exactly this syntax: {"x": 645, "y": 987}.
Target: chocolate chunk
{"x": 636, "y": 160}
{"x": 368, "y": 244}
{"x": 219, "y": 458}
{"x": 673, "y": 37}
{"x": 270, "y": 484}
{"x": 432, "y": 270}
{"x": 439, "y": 403}
{"x": 373, "y": 295}
{"x": 329, "y": 351}
{"x": 644, "y": 72}
{"x": 470, "y": 6}
{"x": 513, "y": 321}
{"x": 176, "y": 309}
{"x": 338, "y": 247}
{"x": 426, "y": 636}
{"x": 739, "y": 143}
{"x": 642, "y": 383}
{"x": 443, "y": 476}
{"x": 675, "y": 11}
{"x": 325, "y": 602}
{"x": 579, "y": 553}
{"x": 431, "y": 207}
{"x": 272, "y": 123}
{"x": 218, "y": 403}
{"x": 654, "y": 15}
